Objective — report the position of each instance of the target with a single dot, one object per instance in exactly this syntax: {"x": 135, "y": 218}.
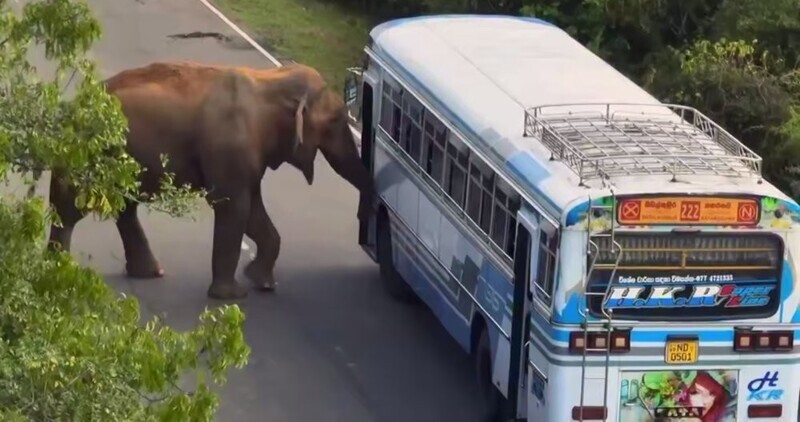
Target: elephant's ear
{"x": 298, "y": 118}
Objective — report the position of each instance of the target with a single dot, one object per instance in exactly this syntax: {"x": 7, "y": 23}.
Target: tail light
{"x": 589, "y": 413}
{"x": 600, "y": 341}
{"x": 760, "y": 411}
{"x": 747, "y": 340}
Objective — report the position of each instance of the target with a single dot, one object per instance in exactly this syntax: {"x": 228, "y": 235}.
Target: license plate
{"x": 681, "y": 351}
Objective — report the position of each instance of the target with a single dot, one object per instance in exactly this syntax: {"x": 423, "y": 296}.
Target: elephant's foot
{"x": 229, "y": 290}
{"x": 262, "y": 278}
{"x": 144, "y": 268}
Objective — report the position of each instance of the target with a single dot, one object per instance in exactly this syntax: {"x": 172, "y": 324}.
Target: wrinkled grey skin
{"x": 222, "y": 128}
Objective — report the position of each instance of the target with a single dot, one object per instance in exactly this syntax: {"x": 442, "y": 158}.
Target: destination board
{"x": 688, "y": 210}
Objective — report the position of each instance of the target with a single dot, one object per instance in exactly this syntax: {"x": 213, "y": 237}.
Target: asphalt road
{"x": 329, "y": 345}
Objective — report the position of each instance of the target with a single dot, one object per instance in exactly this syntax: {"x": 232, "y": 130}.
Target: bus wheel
{"x": 392, "y": 281}
{"x": 491, "y": 402}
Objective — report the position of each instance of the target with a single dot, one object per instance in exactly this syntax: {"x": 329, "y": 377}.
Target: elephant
{"x": 221, "y": 128}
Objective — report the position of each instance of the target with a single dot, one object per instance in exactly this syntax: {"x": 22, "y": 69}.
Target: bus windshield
{"x": 699, "y": 276}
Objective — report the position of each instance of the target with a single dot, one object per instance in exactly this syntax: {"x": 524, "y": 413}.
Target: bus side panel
{"x": 440, "y": 260}
{"x": 387, "y": 173}
{"x": 419, "y": 270}
{"x": 414, "y": 261}
{"x": 790, "y": 305}
{"x": 568, "y": 298}
{"x": 495, "y": 295}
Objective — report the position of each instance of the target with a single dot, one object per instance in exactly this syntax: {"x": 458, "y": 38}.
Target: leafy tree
{"x": 70, "y": 347}
{"x": 748, "y": 93}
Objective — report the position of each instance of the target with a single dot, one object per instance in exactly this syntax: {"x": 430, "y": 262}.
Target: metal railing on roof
{"x": 603, "y": 140}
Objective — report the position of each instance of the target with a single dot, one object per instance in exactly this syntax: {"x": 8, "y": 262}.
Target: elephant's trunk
{"x": 346, "y": 162}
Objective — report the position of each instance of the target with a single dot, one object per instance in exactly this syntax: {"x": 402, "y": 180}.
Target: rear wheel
{"x": 492, "y": 404}
{"x": 392, "y": 281}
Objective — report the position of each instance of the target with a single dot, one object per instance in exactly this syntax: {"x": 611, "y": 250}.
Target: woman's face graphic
{"x": 702, "y": 397}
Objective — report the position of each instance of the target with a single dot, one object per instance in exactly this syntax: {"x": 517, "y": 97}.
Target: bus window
{"x": 390, "y": 109}
{"x": 499, "y": 230}
{"x": 411, "y": 137}
{"x": 386, "y": 108}
{"x": 476, "y": 193}
{"x": 712, "y": 260}
{"x": 434, "y": 143}
{"x": 504, "y": 223}
{"x": 486, "y": 203}
{"x": 545, "y": 271}
{"x": 397, "y": 96}
{"x": 511, "y": 240}
{"x": 456, "y": 165}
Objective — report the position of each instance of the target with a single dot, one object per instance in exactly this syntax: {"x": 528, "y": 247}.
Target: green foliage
{"x": 748, "y": 94}
{"x": 70, "y": 347}
{"x": 775, "y": 23}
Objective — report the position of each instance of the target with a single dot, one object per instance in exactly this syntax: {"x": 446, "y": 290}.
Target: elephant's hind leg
{"x": 62, "y": 198}
{"x": 139, "y": 259}
{"x": 268, "y": 242}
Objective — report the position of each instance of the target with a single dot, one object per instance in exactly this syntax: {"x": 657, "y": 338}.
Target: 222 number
{"x": 690, "y": 211}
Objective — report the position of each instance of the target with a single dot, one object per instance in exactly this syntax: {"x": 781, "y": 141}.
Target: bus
{"x": 600, "y": 254}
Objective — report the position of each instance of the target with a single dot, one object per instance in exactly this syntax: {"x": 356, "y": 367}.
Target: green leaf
{"x": 71, "y": 348}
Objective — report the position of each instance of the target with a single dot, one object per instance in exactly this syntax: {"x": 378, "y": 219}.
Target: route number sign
{"x": 688, "y": 210}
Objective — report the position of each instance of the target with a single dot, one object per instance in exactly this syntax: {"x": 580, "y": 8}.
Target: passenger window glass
{"x": 412, "y": 131}
{"x": 511, "y": 241}
{"x": 390, "y": 118}
{"x": 435, "y": 139}
{"x": 456, "y": 169}
{"x": 545, "y": 273}
{"x": 499, "y": 220}
{"x": 486, "y": 204}
{"x": 386, "y": 108}
{"x": 458, "y": 180}
{"x": 474, "y": 194}
{"x": 396, "y": 119}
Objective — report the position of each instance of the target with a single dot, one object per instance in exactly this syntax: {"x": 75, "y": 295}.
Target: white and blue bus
{"x": 602, "y": 255}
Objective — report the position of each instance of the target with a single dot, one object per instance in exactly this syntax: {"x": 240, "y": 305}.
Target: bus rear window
{"x": 668, "y": 276}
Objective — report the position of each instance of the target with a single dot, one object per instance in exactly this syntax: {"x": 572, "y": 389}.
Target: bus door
{"x": 524, "y": 371}
{"x": 360, "y": 109}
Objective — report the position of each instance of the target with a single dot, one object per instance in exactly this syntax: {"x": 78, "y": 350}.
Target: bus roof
{"x": 483, "y": 72}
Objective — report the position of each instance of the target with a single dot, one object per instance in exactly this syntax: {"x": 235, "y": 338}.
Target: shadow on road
{"x": 330, "y": 335}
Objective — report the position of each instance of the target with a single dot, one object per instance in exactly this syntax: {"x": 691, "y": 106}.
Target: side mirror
{"x": 353, "y": 90}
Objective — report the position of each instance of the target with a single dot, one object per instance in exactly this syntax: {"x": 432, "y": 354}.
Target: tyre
{"x": 392, "y": 281}
{"x": 491, "y": 402}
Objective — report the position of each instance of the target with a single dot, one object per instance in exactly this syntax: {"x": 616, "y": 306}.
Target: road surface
{"x": 329, "y": 345}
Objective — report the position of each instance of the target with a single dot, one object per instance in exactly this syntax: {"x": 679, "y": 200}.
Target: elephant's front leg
{"x": 139, "y": 259}
{"x": 230, "y": 220}
{"x": 268, "y": 241}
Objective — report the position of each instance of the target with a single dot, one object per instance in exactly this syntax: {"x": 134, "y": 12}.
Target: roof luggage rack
{"x": 602, "y": 140}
